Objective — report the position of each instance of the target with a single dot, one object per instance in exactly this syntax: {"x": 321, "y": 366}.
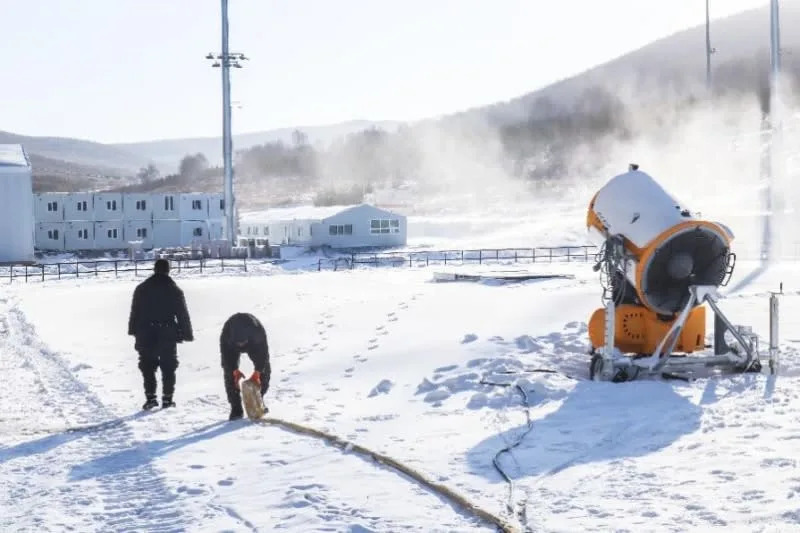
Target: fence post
{"x": 533, "y": 255}
{"x": 551, "y": 255}
{"x": 116, "y": 268}
{"x": 445, "y": 256}
{"x": 585, "y": 253}
{"x": 222, "y": 263}
{"x": 202, "y": 260}
{"x": 569, "y": 254}
{"x": 26, "y": 273}
{"x": 480, "y": 257}
{"x": 136, "y": 267}
{"x": 42, "y": 272}
{"x": 245, "y": 264}
{"x": 462, "y": 257}
{"x": 95, "y": 269}
{"x": 59, "y": 270}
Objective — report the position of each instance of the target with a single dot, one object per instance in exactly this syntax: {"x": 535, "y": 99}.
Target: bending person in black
{"x": 159, "y": 321}
{"x": 243, "y": 333}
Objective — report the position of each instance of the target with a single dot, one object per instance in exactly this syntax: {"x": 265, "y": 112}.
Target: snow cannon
{"x": 659, "y": 264}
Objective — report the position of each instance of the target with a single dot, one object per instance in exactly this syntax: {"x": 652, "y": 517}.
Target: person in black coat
{"x": 243, "y": 333}
{"x": 159, "y": 321}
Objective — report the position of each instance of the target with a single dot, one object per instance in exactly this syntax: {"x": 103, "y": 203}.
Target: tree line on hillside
{"x": 538, "y": 146}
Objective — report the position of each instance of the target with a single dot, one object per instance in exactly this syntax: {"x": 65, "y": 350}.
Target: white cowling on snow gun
{"x": 659, "y": 265}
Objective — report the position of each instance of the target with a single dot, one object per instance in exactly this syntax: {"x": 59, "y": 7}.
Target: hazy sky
{"x": 128, "y": 70}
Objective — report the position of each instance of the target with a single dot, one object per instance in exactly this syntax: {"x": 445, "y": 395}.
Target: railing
{"x": 117, "y": 267}
{"x": 549, "y": 254}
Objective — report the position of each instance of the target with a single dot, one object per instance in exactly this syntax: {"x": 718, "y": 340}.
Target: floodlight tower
{"x": 226, "y": 60}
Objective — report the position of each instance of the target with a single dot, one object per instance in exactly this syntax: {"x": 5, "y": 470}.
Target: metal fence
{"x": 548, "y": 254}
{"x": 117, "y": 267}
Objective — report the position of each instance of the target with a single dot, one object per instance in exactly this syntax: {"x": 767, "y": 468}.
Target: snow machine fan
{"x": 659, "y": 264}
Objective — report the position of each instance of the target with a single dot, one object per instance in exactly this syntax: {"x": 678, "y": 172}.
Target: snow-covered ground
{"x": 392, "y": 360}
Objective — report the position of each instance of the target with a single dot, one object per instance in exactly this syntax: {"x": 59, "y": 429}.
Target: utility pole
{"x": 709, "y": 50}
{"x": 226, "y": 60}
{"x": 775, "y": 48}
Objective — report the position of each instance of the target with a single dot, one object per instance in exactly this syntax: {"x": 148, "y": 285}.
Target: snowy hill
{"x": 414, "y": 369}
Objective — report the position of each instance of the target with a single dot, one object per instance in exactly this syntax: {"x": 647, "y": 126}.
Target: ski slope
{"x": 389, "y": 359}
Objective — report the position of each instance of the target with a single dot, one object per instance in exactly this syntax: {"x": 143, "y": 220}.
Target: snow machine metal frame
{"x": 608, "y": 363}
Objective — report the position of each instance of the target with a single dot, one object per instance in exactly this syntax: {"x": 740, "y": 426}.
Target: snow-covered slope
{"x": 392, "y": 360}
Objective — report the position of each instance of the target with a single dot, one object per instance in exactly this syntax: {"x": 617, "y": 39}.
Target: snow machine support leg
{"x": 773, "y": 331}
{"x": 607, "y": 370}
{"x": 749, "y": 345}
{"x": 656, "y": 362}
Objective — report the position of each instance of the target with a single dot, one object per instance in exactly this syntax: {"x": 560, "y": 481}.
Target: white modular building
{"x": 216, "y": 206}
{"x": 16, "y": 205}
{"x": 49, "y": 206}
{"x": 139, "y": 230}
{"x": 137, "y": 206}
{"x": 109, "y": 235}
{"x": 193, "y": 206}
{"x": 50, "y": 236}
{"x": 78, "y": 206}
{"x": 110, "y": 221}
{"x": 108, "y": 206}
{"x": 166, "y": 206}
{"x": 180, "y": 233}
{"x": 359, "y": 226}
{"x": 79, "y": 235}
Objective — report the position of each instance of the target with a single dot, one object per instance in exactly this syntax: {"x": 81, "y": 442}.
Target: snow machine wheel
{"x": 596, "y": 369}
{"x": 754, "y": 368}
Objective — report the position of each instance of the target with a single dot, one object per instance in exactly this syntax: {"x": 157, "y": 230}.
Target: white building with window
{"x": 109, "y": 235}
{"x": 193, "y": 206}
{"x": 139, "y": 230}
{"x": 78, "y": 206}
{"x": 216, "y": 206}
{"x": 359, "y": 226}
{"x": 49, "y": 206}
{"x": 166, "y": 206}
{"x": 109, "y": 221}
{"x": 107, "y": 206}
{"x": 50, "y": 236}
{"x": 137, "y": 206}
{"x": 79, "y": 235}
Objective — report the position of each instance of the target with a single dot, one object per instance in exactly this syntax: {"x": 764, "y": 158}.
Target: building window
{"x": 112, "y": 233}
{"x": 169, "y": 203}
{"x": 299, "y": 232}
{"x": 83, "y": 234}
{"x": 111, "y": 205}
{"x": 83, "y": 206}
{"x": 141, "y": 205}
{"x": 341, "y": 229}
{"x": 197, "y": 205}
{"x": 198, "y": 232}
{"x": 266, "y": 231}
{"x": 52, "y": 234}
{"x": 52, "y": 206}
{"x": 377, "y": 226}
{"x": 141, "y": 233}
{"x": 222, "y": 205}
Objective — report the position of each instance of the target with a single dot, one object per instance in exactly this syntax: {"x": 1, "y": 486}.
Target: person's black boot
{"x": 150, "y": 403}
{"x": 166, "y": 401}
{"x": 236, "y": 412}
